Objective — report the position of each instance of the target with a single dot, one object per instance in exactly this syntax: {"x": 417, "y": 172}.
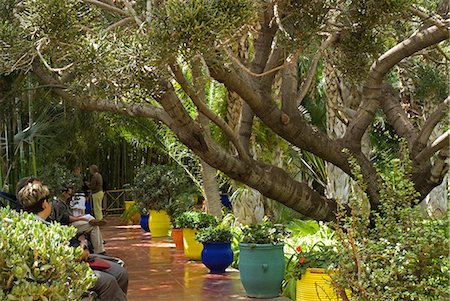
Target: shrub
{"x": 56, "y": 177}
{"x": 36, "y": 261}
{"x": 214, "y": 234}
{"x": 156, "y": 186}
{"x": 320, "y": 256}
{"x": 401, "y": 256}
{"x": 313, "y": 241}
{"x": 176, "y": 208}
{"x": 195, "y": 220}
{"x": 264, "y": 233}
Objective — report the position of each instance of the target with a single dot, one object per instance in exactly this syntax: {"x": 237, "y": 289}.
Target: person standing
{"x": 96, "y": 187}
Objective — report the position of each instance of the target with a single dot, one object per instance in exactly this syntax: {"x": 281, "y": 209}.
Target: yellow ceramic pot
{"x": 135, "y": 218}
{"x": 192, "y": 248}
{"x": 315, "y": 285}
{"x": 159, "y": 223}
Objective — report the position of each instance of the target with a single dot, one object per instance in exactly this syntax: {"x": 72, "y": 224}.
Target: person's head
{"x": 23, "y": 182}
{"x": 77, "y": 170}
{"x": 34, "y": 198}
{"x": 93, "y": 169}
{"x": 66, "y": 193}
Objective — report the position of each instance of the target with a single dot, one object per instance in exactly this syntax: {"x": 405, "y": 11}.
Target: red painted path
{"x": 159, "y": 272}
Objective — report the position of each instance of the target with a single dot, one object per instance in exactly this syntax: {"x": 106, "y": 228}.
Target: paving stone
{"x": 159, "y": 272}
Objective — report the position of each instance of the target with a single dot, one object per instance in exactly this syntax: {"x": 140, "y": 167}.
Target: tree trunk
{"x": 211, "y": 190}
{"x": 339, "y": 97}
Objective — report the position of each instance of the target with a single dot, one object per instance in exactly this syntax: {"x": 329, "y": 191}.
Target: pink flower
{"x": 302, "y": 259}
{"x": 299, "y": 249}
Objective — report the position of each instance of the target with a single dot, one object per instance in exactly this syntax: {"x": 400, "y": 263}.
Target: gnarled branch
{"x": 372, "y": 88}
{"x": 141, "y": 110}
{"x": 429, "y": 126}
{"x": 203, "y": 108}
{"x": 438, "y": 144}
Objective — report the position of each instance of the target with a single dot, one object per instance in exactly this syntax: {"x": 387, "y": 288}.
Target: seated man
{"x": 112, "y": 280}
{"x": 62, "y": 213}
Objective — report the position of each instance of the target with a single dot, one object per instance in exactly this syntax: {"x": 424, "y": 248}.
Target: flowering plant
{"x": 320, "y": 256}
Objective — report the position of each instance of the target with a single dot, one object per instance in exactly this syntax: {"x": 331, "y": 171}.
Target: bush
{"x": 156, "y": 186}
{"x": 264, "y": 233}
{"x": 36, "y": 261}
{"x": 214, "y": 234}
{"x": 402, "y": 256}
{"x": 176, "y": 208}
{"x": 195, "y": 220}
{"x": 56, "y": 177}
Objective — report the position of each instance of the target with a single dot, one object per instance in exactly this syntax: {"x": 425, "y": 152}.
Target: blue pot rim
{"x": 216, "y": 243}
{"x": 261, "y": 246}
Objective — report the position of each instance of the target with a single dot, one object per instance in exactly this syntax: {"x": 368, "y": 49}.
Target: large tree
{"x": 126, "y": 57}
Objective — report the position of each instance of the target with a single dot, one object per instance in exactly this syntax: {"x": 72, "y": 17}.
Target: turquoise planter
{"x": 262, "y": 269}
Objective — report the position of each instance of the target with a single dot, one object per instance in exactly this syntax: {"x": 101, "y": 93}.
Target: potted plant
{"x": 174, "y": 210}
{"x": 261, "y": 261}
{"x": 131, "y": 212}
{"x": 191, "y": 222}
{"x": 217, "y": 254}
{"x": 156, "y": 186}
{"x": 313, "y": 270}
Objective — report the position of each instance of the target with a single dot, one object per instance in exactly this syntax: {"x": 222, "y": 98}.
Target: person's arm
{"x": 77, "y": 218}
{"x": 59, "y": 214}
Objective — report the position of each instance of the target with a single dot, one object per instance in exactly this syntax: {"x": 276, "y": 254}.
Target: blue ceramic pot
{"x": 261, "y": 268}
{"x": 143, "y": 221}
{"x": 217, "y": 256}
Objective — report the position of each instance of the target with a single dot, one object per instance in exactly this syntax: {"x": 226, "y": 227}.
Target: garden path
{"x": 159, "y": 272}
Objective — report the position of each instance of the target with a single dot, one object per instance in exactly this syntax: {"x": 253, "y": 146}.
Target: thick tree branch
{"x": 263, "y": 42}
{"x": 372, "y": 88}
{"x": 295, "y": 130}
{"x": 289, "y": 90}
{"x": 138, "y": 110}
{"x": 428, "y": 127}
{"x": 396, "y": 116}
{"x": 203, "y": 108}
{"x": 428, "y": 152}
{"x": 272, "y": 182}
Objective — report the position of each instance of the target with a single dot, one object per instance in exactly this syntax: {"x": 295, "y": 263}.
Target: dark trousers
{"x": 112, "y": 283}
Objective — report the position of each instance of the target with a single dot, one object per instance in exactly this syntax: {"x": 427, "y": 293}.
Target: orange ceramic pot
{"x": 177, "y": 236}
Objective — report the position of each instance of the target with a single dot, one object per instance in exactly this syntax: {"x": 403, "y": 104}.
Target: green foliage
{"x": 214, "y": 234}
{"x": 312, "y": 241}
{"x": 197, "y": 25}
{"x": 156, "y": 186}
{"x": 403, "y": 256}
{"x": 264, "y": 233}
{"x": 36, "y": 261}
{"x": 430, "y": 82}
{"x": 320, "y": 256}
{"x": 195, "y": 220}
{"x": 303, "y": 19}
{"x": 177, "y": 207}
{"x": 365, "y": 25}
{"x": 57, "y": 177}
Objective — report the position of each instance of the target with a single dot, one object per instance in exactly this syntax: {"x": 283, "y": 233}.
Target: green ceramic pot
{"x": 261, "y": 268}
